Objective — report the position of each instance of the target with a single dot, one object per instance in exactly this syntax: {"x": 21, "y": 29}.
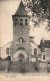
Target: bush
{"x": 36, "y": 66}
{"x": 8, "y": 58}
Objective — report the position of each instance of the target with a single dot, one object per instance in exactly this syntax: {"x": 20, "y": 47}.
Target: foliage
{"x": 41, "y": 10}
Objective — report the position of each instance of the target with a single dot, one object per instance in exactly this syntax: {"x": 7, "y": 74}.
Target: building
{"x": 45, "y": 50}
{"x": 23, "y": 47}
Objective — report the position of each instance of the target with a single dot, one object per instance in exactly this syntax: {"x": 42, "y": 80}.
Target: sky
{"x": 7, "y": 9}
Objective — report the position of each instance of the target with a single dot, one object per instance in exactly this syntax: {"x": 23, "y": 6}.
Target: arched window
{"x": 26, "y": 22}
{"x": 21, "y": 40}
{"x": 35, "y": 51}
{"x": 43, "y": 57}
{"x": 7, "y": 50}
{"x": 21, "y": 22}
{"x": 16, "y": 21}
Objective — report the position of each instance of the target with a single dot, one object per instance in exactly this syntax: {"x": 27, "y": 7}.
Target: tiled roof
{"x": 46, "y": 43}
{"x": 21, "y": 10}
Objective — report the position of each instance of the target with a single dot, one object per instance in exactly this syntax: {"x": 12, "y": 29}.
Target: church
{"x": 20, "y": 48}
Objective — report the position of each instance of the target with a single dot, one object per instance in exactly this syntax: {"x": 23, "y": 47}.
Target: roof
{"x": 21, "y": 10}
{"x": 46, "y": 43}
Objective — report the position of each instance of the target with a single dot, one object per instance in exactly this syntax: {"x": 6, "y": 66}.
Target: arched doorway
{"x": 20, "y": 55}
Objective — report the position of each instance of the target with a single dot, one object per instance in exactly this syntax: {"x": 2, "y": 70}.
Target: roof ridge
{"x": 34, "y": 43}
{"x": 6, "y": 44}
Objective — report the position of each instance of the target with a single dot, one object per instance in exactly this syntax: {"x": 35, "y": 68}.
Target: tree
{"x": 41, "y": 10}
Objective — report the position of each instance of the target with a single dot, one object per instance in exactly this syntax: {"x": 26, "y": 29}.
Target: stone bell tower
{"x": 20, "y": 48}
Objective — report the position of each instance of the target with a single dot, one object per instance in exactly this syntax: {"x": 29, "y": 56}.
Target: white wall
{"x": 38, "y": 51}
{"x": 35, "y": 46}
{"x": 3, "y": 51}
{"x": 47, "y": 55}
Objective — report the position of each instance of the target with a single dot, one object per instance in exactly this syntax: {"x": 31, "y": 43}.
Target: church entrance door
{"x": 21, "y": 58}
